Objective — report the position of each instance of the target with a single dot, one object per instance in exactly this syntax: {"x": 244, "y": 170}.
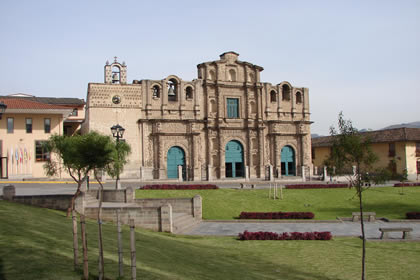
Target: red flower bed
{"x": 413, "y": 215}
{"x": 179, "y": 187}
{"x": 316, "y": 186}
{"x": 276, "y": 215}
{"x": 264, "y": 235}
{"x": 407, "y": 184}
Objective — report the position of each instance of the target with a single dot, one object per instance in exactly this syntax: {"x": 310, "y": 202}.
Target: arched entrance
{"x": 176, "y": 156}
{"x": 234, "y": 160}
{"x": 288, "y": 161}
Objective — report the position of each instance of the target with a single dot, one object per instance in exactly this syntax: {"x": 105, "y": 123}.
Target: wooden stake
{"x": 120, "y": 246}
{"x": 133, "y": 249}
{"x": 101, "y": 249}
{"x": 269, "y": 193}
{"x": 275, "y": 191}
{"x": 281, "y": 192}
{"x": 85, "y": 250}
{"x": 75, "y": 240}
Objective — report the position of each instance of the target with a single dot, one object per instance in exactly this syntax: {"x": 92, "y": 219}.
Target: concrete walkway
{"x": 336, "y": 228}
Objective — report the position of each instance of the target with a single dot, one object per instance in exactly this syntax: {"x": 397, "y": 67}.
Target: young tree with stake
{"x": 350, "y": 149}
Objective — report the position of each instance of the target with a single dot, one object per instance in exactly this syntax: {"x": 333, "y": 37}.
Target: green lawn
{"x": 36, "y": 243}
{"x": 326, "y": 204}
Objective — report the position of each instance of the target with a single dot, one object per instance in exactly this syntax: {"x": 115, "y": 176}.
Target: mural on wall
{"x": 20, "y": 159}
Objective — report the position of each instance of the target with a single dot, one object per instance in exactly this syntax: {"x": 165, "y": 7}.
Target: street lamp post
{"x": 118, "y": 132}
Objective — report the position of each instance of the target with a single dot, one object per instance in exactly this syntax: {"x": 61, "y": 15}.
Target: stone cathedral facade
{"x": 225, "y": 124}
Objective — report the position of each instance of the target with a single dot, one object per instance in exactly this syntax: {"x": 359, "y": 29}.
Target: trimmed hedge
{"x": 417, "y": 184}
{"x": 179, "y": 187}
{"x": 413, "y": 215}
{"x": 316, "y": 186}
{"x": 265, "y": 235}
{"x": 276, "y": 215}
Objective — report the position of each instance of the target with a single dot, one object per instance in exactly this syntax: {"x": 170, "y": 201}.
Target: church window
{"x": 232, "y": 108}
{"x": 75, "y": 112}
{"x": 156, "y": 91}
{"x": 286, "y": 93}
{"x": 172, "y": 90}
{"x": 298, "y": 97}
{"x": 189, "y": 93}
{"x": 273, "y": 96}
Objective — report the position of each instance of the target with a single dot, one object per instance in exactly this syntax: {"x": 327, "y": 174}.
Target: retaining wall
{"x": 51, "y": 201}
{"x": 153, "y": 213}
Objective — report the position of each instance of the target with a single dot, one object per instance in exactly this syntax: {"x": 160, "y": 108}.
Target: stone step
{"x": 183, "y": 222}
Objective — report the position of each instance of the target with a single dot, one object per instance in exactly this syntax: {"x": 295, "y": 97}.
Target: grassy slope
{"x": 36, "y": 243}
{"x": 325, "y": 203}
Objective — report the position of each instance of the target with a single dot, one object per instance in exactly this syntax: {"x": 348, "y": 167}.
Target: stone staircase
{"x": 171, "y": 215}
{"x": 182, "y": 222}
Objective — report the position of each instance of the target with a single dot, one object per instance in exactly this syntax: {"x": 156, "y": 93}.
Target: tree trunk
{"x": 133, "y": 249}
{"x": 362, "y": 225}
{"x": 73, "y": 199}
{"x": 120, "y": 245}
{"x": 101, "y": 251}
{"x": 75, "y": 240}
{"x": 85, "y": 250}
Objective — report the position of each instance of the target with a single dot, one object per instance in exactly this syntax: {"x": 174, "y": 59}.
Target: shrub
{"x": 276, "y": 215}
{"x": 413, "y": 215}
{"x": 407, "y": 184}
{"x": 264, "y": 235}
{"x": 179, "y": 187}
{"x": 316, "y": 186}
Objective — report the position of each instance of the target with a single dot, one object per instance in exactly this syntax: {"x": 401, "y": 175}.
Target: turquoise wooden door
{"x": 234, "y": 160}
{"x": 288, "y": 161}
{"x": 176, "y": 156}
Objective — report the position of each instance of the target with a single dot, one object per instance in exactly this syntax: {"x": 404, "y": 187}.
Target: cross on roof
{"x": 115, "y": 59}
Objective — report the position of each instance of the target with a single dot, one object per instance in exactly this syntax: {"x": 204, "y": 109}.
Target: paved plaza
{"x": 336, "y": 228}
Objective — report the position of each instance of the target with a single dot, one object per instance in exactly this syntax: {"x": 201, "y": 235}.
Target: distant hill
{"x": 314, "y": 135}
{"x": 410, "y": 125}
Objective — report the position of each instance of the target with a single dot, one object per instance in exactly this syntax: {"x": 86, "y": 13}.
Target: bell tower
{"x": 115, "y": 73}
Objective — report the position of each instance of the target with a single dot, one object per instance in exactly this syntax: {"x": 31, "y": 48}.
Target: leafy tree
{"x": 350, "y": 149}
{"x": 81, "y": 154}
{"x": 116, "y": 167}
{"x": 77, "y": 155}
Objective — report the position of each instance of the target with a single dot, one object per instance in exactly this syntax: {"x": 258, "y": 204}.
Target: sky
{"x": 358, "y": 57}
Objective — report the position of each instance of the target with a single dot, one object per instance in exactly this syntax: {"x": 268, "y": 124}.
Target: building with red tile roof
{"x": 29, "y": 121}
{"x": 397, "y": 149}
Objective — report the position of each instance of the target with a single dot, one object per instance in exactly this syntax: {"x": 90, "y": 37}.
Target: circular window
{"x": 116, "y": 99}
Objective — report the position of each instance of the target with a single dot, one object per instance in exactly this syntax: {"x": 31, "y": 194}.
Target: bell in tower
{"x": 115, "y": 73}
